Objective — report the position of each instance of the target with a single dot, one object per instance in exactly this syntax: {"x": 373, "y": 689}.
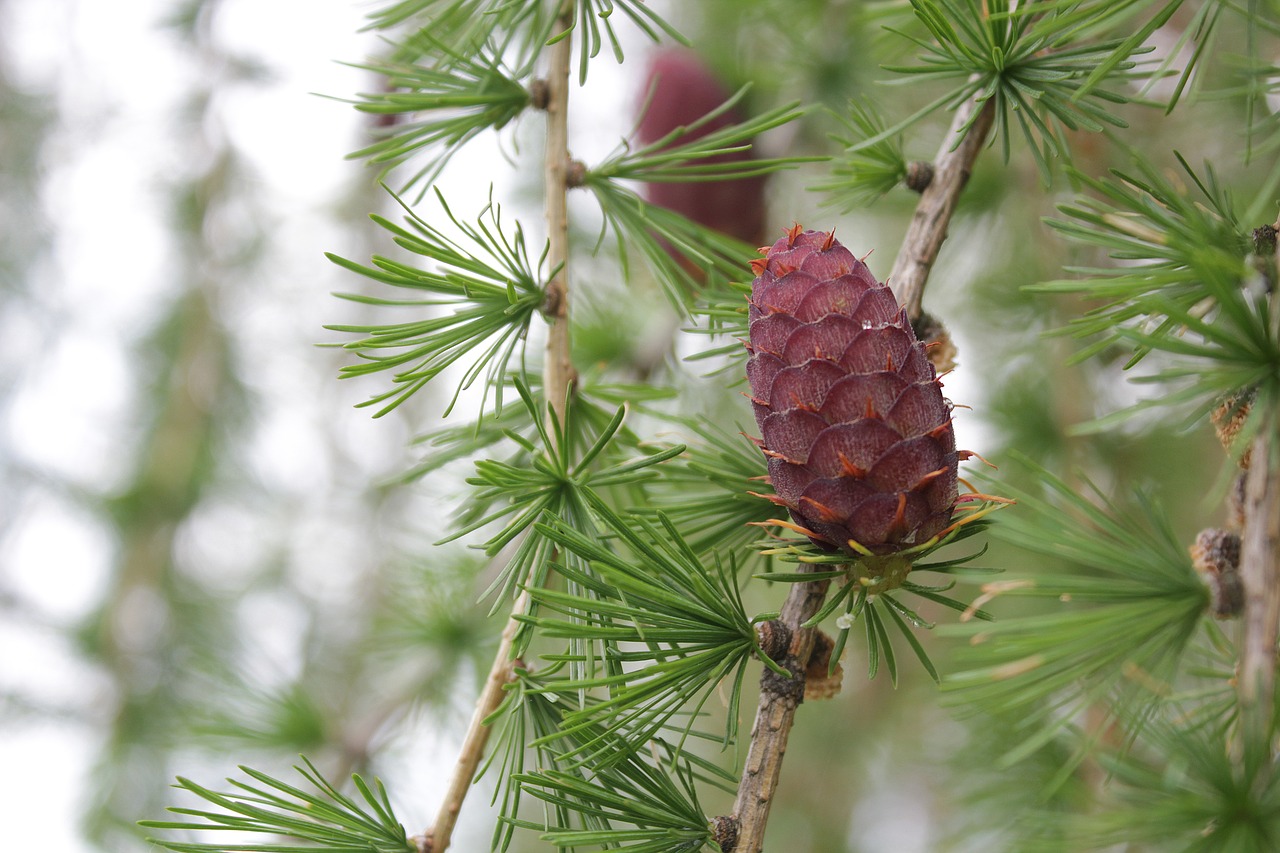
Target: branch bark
{"x": 928, "y": 228}
{"x": 558, "y": 373}
{"x": 779, "y": 697}
{"x": 558, "y": 381}
{"x": 1260, "y": 549}
{"x": 437, "y": 840}
{"x": 1261, "y": 576}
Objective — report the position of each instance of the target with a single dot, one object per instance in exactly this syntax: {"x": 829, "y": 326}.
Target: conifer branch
{"x": 558, "y": 373}
{"x": 558, "y": 380}
{"x": 437, "y": 839}
{"x": 937, "y": 203}
{"x": 1260, "y": 572}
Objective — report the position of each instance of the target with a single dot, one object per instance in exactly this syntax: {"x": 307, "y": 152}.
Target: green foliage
{"x": 1176, "y": 247}
{"x": 1201, "y": 37}
{"x": 1026, "y": 809}
{"x": 709, "y": 492}
{"x": 1190, "y": 287}
{"x": 429, "y": 608}
{"x": 492, "y": 287}
{"x": 655, "y": 801}
{"x": 861, "y": 174}
{"x": 1128, "y": 603}
{"x": 270, "y": 716}
{"x": 555, "y": 478}
{"x": 679, "y": 253}
{"x": 675, "y": 629}
{"x": 668, "y": 160}
{"x": 466, "y": 25}
{"x": 723, "y": 316}
{"x": 594, "y": 405}
{"x": 594, "y": 25}
{"x": 586, "y": 803}
{"x": 438, "y": 107}
{"x": 1188, "y": 790}
{"x": 529, "y": 25}
{"x": 1018, "y": 57}
{"x": 446, "y": 15}
{"x": 526, "y": 723}
{"x": 869, "y": 588}
{"x": 1261, "y": 82}
{"x": 325, "y": 819}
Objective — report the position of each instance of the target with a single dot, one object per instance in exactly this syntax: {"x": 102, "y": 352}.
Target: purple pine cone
{"x": 857, "y": 433}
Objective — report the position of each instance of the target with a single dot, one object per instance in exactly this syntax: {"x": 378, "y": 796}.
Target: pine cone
{"x": 857, "y": 433}
{"x": 683, "y": 91}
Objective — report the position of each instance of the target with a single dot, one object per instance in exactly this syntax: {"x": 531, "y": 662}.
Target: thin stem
{"x": 775, "y": 714}
{"x": 1261, "y": 576}
{"x": 438, "y": 838}
{"x": 558, "y": 374}
{"x": 1260, "y": 567}
{"x": 558, "y": 379}
{"x": 937, "y": 203}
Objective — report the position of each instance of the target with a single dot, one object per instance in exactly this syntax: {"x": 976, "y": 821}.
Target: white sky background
{"x": 118, "y": 78}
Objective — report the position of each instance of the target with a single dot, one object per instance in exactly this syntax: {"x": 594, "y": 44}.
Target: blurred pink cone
{"x": 682, "y": 91}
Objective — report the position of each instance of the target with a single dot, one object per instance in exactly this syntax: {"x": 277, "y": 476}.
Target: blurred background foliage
{"x": 207, "y": 557}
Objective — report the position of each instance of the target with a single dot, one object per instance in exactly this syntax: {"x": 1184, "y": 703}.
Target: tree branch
{"x": 438, "y": 838}
{"x": 929, "y": 224}
{"x": 1259, "y": 572}
{"x": 558, "y": 380}
{"x": 558, "y": 373}
{"x": 779, "y": 697}
{"x": 1259, "y": 563}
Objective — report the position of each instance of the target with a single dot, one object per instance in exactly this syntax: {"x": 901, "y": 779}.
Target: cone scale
{"x": 857, "y": 434}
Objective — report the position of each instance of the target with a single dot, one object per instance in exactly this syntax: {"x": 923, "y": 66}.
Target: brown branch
{"x": 558, "y": 374}
{"x": 937, "y": 203}
{"x": 558, "y": 380}
{"x": 1261, "y": 576}
{"x": 1260, "y": 547}
{"x": 438, "y": 838}
{"x": 780, "y": 697}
